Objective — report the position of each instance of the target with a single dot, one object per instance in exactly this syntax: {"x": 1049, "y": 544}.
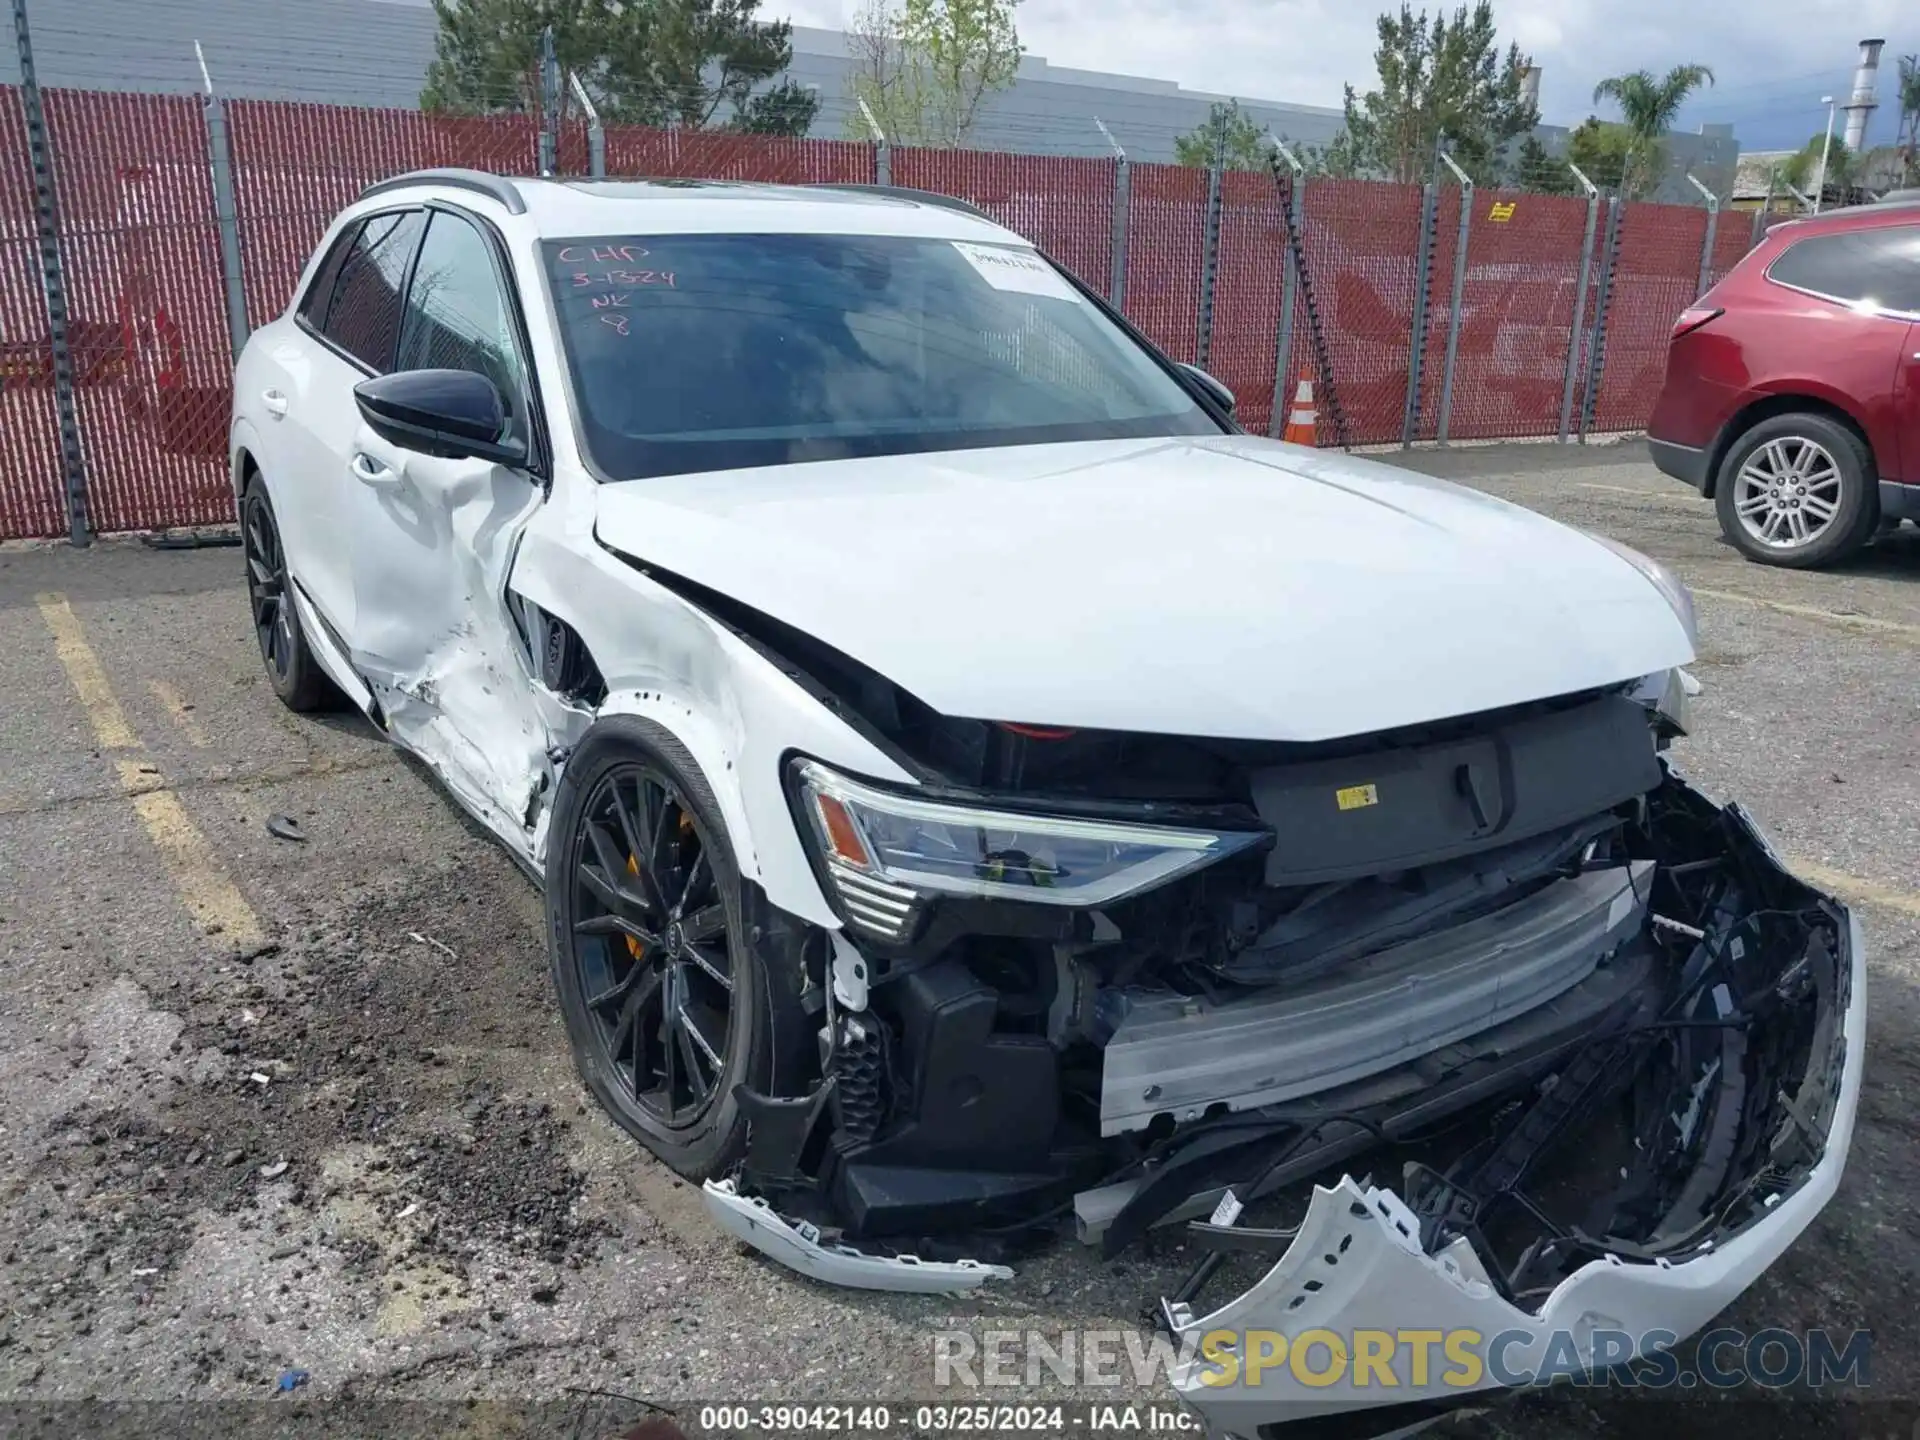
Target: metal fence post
{"x": 1422, "y": 281}
{"x": 882, "y": 152}
{"x": 1122, "y": 202}
{"x": 1597, "y": 352}
{"x": 596, "y": 132}
{"x": 53, "y": 284}
{"x": 1576, "y": 332}
{"x": 1706, "y": 245}
{"x": 1289, "y": 289}
{"x": 1760, "y": 215}
{"x": 1209, "y": 269}
{"x": 1459, "y": 288}
{"x": 226, "y": 212}
{"x": 549, "y": 104}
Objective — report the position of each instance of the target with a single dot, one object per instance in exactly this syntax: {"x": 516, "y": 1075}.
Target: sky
{"x": 1773, "y": 60}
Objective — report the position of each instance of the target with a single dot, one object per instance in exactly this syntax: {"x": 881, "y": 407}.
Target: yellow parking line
{"x": 1814, "y": 612}
{"x": 181, "y": 712}
{"x": 1853, "y": 888}
{"x": 109, "y": 721}
{"x": 209, "y": 894}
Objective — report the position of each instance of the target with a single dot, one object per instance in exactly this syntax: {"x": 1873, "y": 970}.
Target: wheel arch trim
{"x": 732, "y": 710}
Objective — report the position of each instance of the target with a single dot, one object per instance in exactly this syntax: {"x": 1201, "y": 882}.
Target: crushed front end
{"x": 1605, "y": 1043}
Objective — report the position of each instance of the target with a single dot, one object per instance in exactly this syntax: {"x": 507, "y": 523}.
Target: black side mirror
{"x": 1222, "y": 396}
{"x": 453, "y": 414}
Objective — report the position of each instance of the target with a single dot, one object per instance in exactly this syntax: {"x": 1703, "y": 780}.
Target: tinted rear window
{"x": 1878, "y": 268}
{"x": 714, "y": 352}
{"x": 364, "y": 318}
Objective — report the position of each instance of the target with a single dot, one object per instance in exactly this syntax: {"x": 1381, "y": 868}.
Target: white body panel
{"x": 1222, "y": 586}
{"x": 1230, "y": 587}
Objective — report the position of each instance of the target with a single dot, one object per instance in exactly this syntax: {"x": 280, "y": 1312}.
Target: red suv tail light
{"x": 1692, "y": 318}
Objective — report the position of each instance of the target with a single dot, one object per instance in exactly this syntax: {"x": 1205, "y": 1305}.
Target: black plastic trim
{"x": 494, "y": 187}
{"x": 1686, "y": 463}
{"x": 1899, "y": 502}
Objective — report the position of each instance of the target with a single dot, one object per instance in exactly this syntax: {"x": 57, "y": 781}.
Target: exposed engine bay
{"x": 1574, "y": 1007}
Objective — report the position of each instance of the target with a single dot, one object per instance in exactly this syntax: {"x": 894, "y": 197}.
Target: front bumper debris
{"x": 1357, "y": 1268}
{"x": 797, "y": 1245}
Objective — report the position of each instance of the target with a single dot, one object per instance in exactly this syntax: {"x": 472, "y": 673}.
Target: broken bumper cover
{"x": 1357, "y": 1270}
{"x": 797, "y": 1245}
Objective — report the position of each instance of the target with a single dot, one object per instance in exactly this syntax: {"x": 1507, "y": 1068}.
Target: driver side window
{"x": 457, "y": 317}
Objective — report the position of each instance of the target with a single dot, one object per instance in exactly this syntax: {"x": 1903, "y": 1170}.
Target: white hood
{"x": 1226, "y": 586}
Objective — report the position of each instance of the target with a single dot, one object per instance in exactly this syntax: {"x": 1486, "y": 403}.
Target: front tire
{"x": 295, "y": 675}
{"x": 1797, "y": 490}
{"x": 668, "y": 1005}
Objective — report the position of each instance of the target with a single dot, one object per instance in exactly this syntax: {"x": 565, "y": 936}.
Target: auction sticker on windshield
{"x": 1018, "y": 270}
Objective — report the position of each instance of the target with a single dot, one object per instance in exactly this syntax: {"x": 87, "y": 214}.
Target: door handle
{"x": 369, "y": 471}
{"x": 275, "y": 402}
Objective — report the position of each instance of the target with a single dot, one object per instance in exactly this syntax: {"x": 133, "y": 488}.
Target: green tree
{"x": 1439, "y": 76}
{"x": 925, "y": 67}
{"x": 1802, "y": 168}
{"x": 1614, "y": 158}
{"x": 692, "y": 64}
{"x": 1228, "y": 137}
{"x": 487, "y": 52}
{"x": 1908, "y": 132}
{"x": 1534, "y": 167}
{"x": 1648, "y": 106}
{"x": 689, "y": 63}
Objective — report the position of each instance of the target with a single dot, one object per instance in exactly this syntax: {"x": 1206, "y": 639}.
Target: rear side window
{"x": 363, "y": 317}
{"x": 1878, "y": 269}
{"x": 313, "y": 306}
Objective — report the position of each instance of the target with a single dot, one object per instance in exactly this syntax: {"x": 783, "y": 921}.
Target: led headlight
{"x": 1664, "y": 580}
{"x": 885, "y": 851}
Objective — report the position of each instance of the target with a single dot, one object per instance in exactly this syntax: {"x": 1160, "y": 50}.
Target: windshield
{"x": 716, "y": 352}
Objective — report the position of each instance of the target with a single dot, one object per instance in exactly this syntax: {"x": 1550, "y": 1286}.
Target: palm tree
{"x": 1909, "y": 131}
{"x": 1649, "y": 105}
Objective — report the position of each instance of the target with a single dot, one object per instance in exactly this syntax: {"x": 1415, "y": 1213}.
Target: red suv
{"x": 1792, "y": 396}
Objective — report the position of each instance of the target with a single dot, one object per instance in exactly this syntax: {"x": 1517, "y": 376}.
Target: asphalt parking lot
{"x": 271, "y": 1105}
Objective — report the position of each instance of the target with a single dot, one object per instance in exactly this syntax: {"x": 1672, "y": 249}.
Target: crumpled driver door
{"x": 433, "y": 634}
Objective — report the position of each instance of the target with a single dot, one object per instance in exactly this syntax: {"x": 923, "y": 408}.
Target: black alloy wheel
{"x": 653, "y": 944}
{"x": 267, "y": 586}
{"x": 671, "y": 1006}
{"x": 291, "y": 669}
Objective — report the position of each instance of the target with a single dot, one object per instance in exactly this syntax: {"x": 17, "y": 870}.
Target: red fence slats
{"x": 1362, "y": 242}
{"x": 640, "y": 153}
{"x": 1247, "y": 294}
{"x": 1063, "y": 205}
{"x": 32, "y": 484}
{"x": 148, "y": 312}
{"x": 1166, "y": 238}
{"x": 153, "y": 359}
{"x": 1523, "y": 274}
{"x": 1655, "y": 277}
{"x": 297, "y": 166}
{"x": 1731, "y": 241}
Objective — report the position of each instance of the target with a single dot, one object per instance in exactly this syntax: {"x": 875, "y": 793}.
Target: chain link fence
{"x": 1446, "y": 311}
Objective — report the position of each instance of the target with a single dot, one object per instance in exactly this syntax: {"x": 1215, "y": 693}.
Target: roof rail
{"x": 924, "y": 197}
{"x": 494, "y": 187}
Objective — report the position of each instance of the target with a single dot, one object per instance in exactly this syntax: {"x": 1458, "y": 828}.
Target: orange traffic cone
{"x": 1303, "y": 419}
